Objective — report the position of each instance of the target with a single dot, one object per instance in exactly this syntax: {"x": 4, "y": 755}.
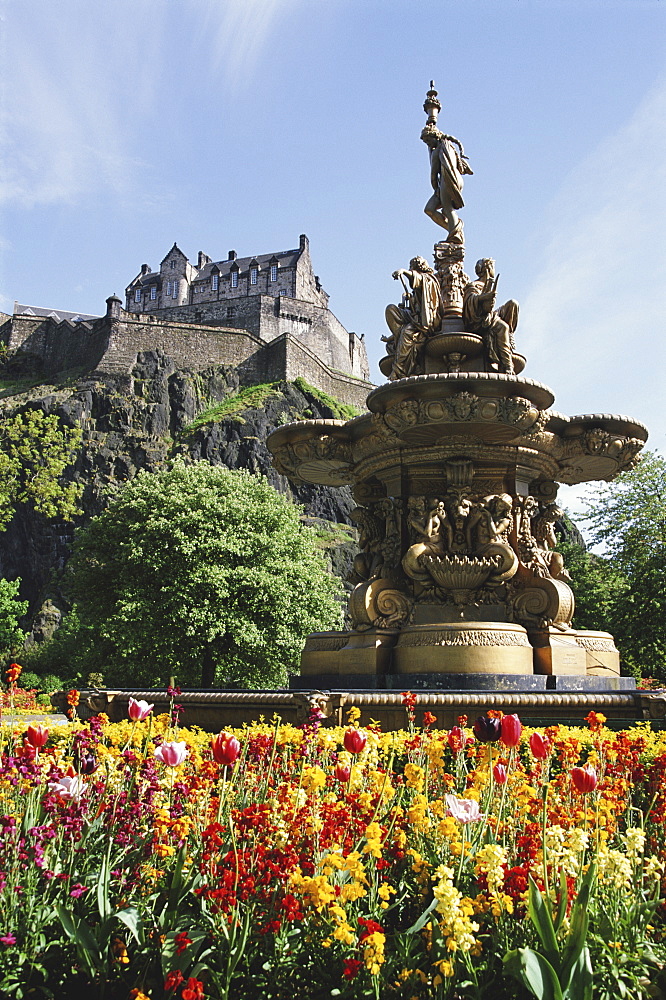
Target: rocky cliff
{"x": 145, "y": 420}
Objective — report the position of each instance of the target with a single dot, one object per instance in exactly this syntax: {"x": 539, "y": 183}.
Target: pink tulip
{"x": 464, "y": 810}
{"x": 226, "y": 748}
{"x": 354, "y": 740}
{"x": 138, "y": 710}
{"x": 540, "y": 748}
{"x": 171, "y": 753}
{"x": 342, "y": 772}
{"x": 511, "y": 729}
{"x": 37, "y": 736}
{"x": 584, "y": 779}
{"x": 68, "y": 787}
{"x": 500, "y": 774}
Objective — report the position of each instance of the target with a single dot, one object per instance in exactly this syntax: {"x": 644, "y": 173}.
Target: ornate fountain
{"x": 455, "y": 470}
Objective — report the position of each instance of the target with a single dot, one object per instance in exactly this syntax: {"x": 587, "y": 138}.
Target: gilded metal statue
{"x": 411, "y": 322}
{"x": 448, "y": 165}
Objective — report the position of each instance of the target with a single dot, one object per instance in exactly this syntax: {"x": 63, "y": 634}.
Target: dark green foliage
{"x": 11, "y": 609}
{"x": 199, "y": 572}
{"x": 624, "y": 590}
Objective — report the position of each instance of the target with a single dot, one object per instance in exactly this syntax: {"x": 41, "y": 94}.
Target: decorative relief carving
{"x": 467, "y": 638}
{"x": 596, "y": 644}
{"x": 325, "y": 643}
{"x": 377, "y": 604}
{"x": 462, "y": 407}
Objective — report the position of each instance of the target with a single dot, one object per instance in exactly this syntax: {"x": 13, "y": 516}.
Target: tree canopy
{"x": 35, "y": 450}
{"x": 624, "y": 588}
{"x": 200, "y": 572}
{"x": 11, "y": 609}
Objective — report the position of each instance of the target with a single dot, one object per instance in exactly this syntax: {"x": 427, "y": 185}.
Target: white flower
{"x": 68, "y": 787}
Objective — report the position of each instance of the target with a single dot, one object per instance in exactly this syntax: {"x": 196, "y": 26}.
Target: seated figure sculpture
{"x": 496, "y": 326}
{"x": 411, "y": 322}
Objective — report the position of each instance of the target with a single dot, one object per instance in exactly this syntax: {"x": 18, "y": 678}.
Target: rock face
{"x": 142, "y": 422}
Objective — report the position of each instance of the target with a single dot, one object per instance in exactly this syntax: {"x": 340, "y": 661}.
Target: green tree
{"x": 35, "y": 450}
{"x": 201, "y": 572}
{"x": 627, "y": 517}
{"x": 11, "y": 610}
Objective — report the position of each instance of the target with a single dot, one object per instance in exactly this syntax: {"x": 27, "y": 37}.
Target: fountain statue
{"x": 455, "y": 470}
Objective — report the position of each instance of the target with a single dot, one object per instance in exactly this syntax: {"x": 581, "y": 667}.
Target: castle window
{"x": 253, "y": 275}
{"x": 231, "y": 312}
{"x": 153, "y": 292}
{"x": 173, "y": 263}
{"x": 175, "y": 289}
{"x": 273, "y": 272}
{"x": 137, "y": 295}
{"x": 169, "y": 286}
{"x": 234, "y": 279}
{"x": 283, "y": 291}
{"x": 215, "y": 281}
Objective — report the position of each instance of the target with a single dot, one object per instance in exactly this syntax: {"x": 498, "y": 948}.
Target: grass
{"x": 341, "y": 411}
{"x": 250, "y": 397}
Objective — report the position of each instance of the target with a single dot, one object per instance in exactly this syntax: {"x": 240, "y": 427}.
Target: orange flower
{"x": 596, "y": 721}
{"x": 13, "y": 673}
{"x": 73, "y": 697}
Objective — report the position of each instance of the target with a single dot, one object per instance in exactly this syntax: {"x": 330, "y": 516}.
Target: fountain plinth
{"x": 455, "y": 468}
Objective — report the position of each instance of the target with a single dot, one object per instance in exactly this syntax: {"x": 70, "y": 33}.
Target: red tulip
{"x": 511, "y": 729}
{"x": 342, "y": 772}
{"x": 354, "y": 740}
{"x": 540, "y": 748}
{"x": 584, "y": 779}
{"x": 226, "y": 749}
{"x": 37, "y": 736}
{"x": 500, "y": 774}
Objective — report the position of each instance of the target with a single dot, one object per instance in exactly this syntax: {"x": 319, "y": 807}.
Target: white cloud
{"x": 72, "y": 77}
{"x": 236, "y": 34}
{"x": 595, "y": 318}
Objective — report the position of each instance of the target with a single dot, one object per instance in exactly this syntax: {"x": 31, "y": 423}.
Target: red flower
{"x": 173, "y": 979}
{"x": 429, "y": 719}
{"x": 342, "y": 773}
{"x": 540, "y": 748}
{"x": 371, "y": 927}
{"x": 511, "y": 729}
{"x": 354, "y": 740}
{"x": 409, "y": 699}
{"x": 596, "y": 721}
{"x": 500, "y": 774}
{"x": 584, "y": 779}
{"x": 456, "y": 739}
{"x": 182, "y": 942}
{"x": 226, "y": 749}
{"x": 193, "y": 990}
{"x": 350, "y": 968}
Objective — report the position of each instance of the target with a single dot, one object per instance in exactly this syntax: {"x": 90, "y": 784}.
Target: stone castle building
{"x": 266, "y": 315}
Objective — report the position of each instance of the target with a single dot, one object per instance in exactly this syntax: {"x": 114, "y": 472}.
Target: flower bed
{"x": 140, "y": 859}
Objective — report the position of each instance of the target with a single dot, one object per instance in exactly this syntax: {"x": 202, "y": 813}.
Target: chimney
{"x": 203, "y": 259}
{"x": 145, "y": 269}
{"x": 303, "y": 242}
{"x": 232, "y": 255}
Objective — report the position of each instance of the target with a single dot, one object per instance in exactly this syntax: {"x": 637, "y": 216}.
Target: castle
{"x": 266, "y": 316}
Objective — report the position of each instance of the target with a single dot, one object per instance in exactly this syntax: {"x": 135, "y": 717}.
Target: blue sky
{"x": 240, "y": 124}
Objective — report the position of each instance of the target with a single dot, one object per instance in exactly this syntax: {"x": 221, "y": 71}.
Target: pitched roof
{"x": 284, "y": 258}
{"x": 57, "y": 314}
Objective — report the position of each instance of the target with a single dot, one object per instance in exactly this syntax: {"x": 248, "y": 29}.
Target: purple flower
{"x": 78, "y": 890}
{"x": 7, "y": 939}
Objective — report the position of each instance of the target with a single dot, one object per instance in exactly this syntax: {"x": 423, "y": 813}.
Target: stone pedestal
{"x": 602, "y": 658}
{"x": 463, "y": 648}
{"x": 557, "y": 652}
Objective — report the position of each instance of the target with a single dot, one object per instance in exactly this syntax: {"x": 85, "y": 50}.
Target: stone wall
{"x": 58, "y": 346}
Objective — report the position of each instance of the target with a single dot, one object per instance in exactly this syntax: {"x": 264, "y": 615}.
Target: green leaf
{"x": 577, "y": 936}
{"x": 423, "y": 919}
{"x": 539, "y": 911}
{"x": 535, "y": 972}
{"x": 132, "y": 920}
{"x": 562, "y": 904}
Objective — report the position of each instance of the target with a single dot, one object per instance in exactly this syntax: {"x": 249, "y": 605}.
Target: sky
{"x": 128, "y": 125}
